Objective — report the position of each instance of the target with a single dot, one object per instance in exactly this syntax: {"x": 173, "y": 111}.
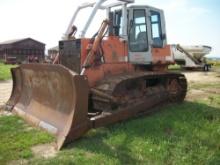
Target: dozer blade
{"x": 53, "y": 98}
{"x": 16, "y": 89}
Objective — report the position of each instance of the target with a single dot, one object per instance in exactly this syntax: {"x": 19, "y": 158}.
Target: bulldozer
{"x": 118, "y": 73}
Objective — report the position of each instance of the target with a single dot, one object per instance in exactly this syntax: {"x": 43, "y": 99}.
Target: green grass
{"x": 214, "y": 62}
{"x": 5, "y": 73}
{"x": 188, "y": 133}
{"x": 174, "y": 67}
{"x": 16, "y": 139}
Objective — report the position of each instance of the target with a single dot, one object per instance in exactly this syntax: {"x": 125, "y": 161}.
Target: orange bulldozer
{"x": 118, "y": 73}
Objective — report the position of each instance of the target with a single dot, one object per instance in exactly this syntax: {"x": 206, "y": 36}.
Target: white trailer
{"x": 191, "y": 57}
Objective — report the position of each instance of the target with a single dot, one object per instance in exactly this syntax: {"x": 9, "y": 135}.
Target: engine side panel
{"x": 70, "y": 54}
{"x": 114, "y": 59}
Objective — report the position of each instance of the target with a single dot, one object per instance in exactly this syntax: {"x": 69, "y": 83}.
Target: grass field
{"x": 179, "y": 134}
{"x": 16, "y": 138}
{"x": 5, "y": 73}
{"x": 215, "y": 63}
{"x": 186, "y": 133}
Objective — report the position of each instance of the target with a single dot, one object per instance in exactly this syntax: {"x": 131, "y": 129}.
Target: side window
{"x": 118, "y": 22}
{"x": 156, "y": 29}
{"x": 138, "y": 40}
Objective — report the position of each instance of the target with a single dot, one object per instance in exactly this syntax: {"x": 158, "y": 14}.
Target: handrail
{"x": 96, "y": 5}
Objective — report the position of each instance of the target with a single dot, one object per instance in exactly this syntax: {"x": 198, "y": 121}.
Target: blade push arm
{"x": 95, "y": 45}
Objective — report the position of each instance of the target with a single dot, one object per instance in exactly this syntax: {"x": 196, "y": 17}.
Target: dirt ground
{"x": 199, "y": 79}
{"x": 202, "y": 77}
{"x": 44, "y": 150}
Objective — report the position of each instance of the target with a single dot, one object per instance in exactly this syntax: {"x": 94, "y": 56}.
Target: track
{"x": 129, "y": 90}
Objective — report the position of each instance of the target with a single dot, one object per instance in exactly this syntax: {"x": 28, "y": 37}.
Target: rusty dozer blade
{"x": 53, "y": 98}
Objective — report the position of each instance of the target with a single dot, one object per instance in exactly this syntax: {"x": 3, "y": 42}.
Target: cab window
{"x": 156, "y": 29}
{"x": 138, "y": 40}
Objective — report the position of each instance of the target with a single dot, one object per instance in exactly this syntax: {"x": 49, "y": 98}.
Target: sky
{"x": 188, "y": 22}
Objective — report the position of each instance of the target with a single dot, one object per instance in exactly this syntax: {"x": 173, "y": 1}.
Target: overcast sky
{"x": 188, "y": 22}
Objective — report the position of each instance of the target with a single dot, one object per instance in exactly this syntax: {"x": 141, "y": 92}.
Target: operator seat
{"x": 142, "y": 41}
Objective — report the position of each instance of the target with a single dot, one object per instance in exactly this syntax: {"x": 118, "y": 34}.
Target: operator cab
{"x": 140, "y": 29}
{"x": 145, "y": 30}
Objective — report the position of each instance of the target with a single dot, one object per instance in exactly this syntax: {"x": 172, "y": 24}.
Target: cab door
{"x": 139, "y": 32}
{"x": 158, "y": 28}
